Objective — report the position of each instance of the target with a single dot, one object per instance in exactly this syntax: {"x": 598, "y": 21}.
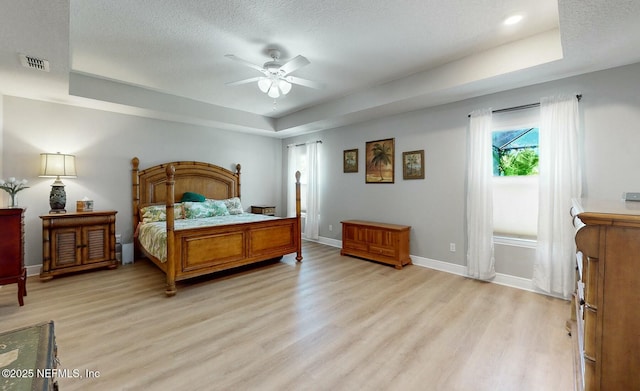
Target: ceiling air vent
{"x": 34, "y": 63}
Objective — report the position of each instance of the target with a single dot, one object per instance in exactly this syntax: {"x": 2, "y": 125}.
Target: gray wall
{"x": 435, "y": 206}
{"x": 104, "y": 144}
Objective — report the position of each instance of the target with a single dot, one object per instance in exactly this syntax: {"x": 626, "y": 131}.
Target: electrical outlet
{"x": 330, "y": 228}
{"x": 452, "y": 247}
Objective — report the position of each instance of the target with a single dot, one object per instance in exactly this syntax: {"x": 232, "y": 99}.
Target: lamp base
{"x": 57, "y": 199}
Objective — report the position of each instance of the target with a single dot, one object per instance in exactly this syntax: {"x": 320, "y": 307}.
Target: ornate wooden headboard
{"x": 149, "y": 185}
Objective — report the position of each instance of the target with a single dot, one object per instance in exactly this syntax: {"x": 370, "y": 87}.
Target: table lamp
{"x": 56, "y": 165}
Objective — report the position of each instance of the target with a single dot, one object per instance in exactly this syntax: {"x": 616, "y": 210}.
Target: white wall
{"x": 435, "y": 206}
{"x": 104, "y": 144}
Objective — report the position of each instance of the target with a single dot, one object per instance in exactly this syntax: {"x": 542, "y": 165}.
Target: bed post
{"x": 298, "y": 224}
{"x": 238, "y": 174}
{"x": 171, "y": 262}
{"x": 135, "y": 196}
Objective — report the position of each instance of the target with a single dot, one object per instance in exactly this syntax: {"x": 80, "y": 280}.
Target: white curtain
{"x": 311, "y": 227}
{"x": 560, "y": 181}
{"x": 291, "y": 180}
{"x": 480, "y": 259}
{"x": 305, "y": 158}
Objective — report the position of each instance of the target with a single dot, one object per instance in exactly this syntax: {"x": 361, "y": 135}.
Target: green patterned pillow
{"x": 153, "y": 213}
{"x": 197, "y": 210}
{"x": 234, "y": 206}
{"x": 219, "y": 208}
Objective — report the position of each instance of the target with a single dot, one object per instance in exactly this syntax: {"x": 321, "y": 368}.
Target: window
{"x": 515, "y": 170}
{"x": 515, "y": 152}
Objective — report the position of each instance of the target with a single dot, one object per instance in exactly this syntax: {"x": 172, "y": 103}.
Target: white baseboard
{"x": 330, "y": 242}
{"x": 460, "y": 270}
{"x": 33, "y": 270}
{"x": 127, "y": 257}
{"x": 500, "y": 279}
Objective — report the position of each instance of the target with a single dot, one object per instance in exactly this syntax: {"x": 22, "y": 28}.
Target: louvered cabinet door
{"x": 95, "y": 243}
{"x": 66, "y": 244}
{"x": 73, "y": 242}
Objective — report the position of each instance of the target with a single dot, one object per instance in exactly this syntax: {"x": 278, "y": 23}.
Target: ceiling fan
{"x": 276, "y": 79}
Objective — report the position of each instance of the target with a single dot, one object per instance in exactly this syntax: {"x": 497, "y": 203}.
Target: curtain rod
{"x": 528, "y": 106}
{"x": 308, "y": 142}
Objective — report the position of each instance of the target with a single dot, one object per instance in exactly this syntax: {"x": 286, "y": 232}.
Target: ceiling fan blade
{"x": 244, "y": 81}
{"x": 293, "y": 64}
{"x": 304, "y": 82}
{"x": 245, "y": 62}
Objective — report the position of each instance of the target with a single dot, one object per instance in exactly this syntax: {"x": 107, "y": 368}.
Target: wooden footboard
{"x": 201, "y": 251}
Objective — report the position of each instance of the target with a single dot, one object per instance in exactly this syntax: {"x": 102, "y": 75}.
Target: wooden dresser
{"x": 12, "y": 270}
{"x": 606, "y": 311}
{"x": 73, "y": 242}
{"x": 386, "y": 243}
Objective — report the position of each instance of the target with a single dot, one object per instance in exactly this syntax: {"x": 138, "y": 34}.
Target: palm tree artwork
{"x": 413, "y": 164}
{"x": 380, "y": 156}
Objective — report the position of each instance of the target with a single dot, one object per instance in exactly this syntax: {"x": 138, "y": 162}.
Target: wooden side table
{"x": 73, "y": 242}
{"x": 12, "y": 268}
{"x": 263, "y": 210}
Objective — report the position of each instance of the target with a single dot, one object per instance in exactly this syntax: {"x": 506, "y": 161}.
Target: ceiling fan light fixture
{"x": 264, "y": 84}
{"x": 276, "y": 80}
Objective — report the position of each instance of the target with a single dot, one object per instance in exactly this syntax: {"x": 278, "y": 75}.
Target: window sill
{"x": 515, "y": 241}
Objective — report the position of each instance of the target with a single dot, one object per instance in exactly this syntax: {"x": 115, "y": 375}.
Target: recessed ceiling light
{"x": 513, "y": 19}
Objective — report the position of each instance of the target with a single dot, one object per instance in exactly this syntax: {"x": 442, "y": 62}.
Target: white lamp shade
{"x": 264, "y": 84}
{"x": 285, "y": 86}
{"x": 57, "y": 165}
{"x": 274, "y": 92}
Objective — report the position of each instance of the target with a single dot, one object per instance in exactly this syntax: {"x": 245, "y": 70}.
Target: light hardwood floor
{"x": 329, "y": 323}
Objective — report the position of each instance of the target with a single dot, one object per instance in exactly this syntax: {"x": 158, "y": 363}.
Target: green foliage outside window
{"x": 518, "y": 162}
{"x": 515, "y": 152}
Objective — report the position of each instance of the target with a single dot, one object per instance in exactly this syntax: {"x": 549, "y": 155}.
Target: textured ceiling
{"x": 165, "y": 59}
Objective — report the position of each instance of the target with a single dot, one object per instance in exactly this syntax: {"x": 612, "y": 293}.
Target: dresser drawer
{"x": 591, "y": 281}
{"x": 590, "y": 318}
{"x": 384, "y": 251}
{"x": 355, "y": 245}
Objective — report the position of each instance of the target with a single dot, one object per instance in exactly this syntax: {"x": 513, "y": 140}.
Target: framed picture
{"x": 413, "y": 165}
{"x": 380, "y": 156}
{"x": 350, "y": 160}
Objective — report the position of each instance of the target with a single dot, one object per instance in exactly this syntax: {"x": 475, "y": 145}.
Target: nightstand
{"x": 73, "y": 242}
{"x": 263, "y": 210}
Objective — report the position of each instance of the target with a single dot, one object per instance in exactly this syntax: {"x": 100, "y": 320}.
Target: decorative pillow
{"x": 196, "y": 210}
{"x": 192, "y": 197}
{"x": 153, "y": 213}
{"x": 219, "y": 208}
{"x": 234, "y": 206}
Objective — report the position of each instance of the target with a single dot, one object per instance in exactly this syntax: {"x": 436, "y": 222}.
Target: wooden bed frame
{"x": 200, "y": 251}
